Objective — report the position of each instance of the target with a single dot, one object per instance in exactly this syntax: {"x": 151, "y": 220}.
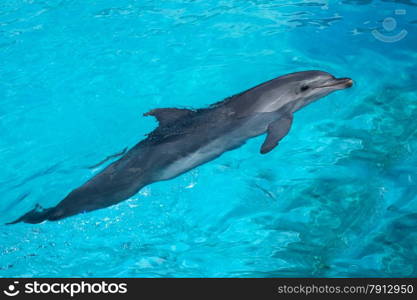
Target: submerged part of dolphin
{"x": 187, "y": 138}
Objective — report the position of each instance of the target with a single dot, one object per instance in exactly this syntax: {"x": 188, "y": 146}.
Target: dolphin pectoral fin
{"x": 168, "y": 115}
{"x": 276, "y": 131}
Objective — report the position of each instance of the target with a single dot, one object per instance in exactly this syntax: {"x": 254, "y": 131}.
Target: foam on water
{"x": 336, "y": 198}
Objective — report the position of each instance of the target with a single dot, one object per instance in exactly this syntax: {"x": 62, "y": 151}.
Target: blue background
{"x": 336, "y": 198}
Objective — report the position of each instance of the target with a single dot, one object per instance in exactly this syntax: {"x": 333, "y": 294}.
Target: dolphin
{"x": 187, "y": 138}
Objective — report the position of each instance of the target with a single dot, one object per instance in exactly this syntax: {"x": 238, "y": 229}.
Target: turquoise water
{"x": 336, "y": 198}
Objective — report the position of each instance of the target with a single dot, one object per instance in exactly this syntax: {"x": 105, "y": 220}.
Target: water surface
{"x": 336, "y": 198}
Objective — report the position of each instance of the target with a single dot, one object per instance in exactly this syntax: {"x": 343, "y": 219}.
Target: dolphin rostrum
{"x": 188, "y": 138}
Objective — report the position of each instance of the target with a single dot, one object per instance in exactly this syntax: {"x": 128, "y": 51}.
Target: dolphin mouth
{"x": 342, "y": 83}
{"x": 347, "y": 82}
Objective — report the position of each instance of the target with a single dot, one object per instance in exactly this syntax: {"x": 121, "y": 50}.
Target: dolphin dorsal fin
{"x": 169, "y": 115}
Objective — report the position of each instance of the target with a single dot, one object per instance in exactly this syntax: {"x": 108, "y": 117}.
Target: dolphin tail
{"x": 36, "y": 216}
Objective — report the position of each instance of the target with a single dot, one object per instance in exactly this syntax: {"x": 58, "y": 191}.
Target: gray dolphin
{"x": 188, "y": 138}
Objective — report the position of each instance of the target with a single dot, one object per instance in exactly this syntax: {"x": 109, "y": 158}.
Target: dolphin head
{"x": 313, "y": 85}
{"x": 299, "y": 89}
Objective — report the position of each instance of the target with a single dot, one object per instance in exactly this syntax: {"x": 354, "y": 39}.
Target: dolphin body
{"x": 188, "y": 138}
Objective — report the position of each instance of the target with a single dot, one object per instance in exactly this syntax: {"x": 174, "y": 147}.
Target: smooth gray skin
{"x": 186, "y": 139}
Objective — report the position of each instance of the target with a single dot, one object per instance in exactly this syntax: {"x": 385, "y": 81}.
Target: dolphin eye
{"x": 304, "y": 88}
